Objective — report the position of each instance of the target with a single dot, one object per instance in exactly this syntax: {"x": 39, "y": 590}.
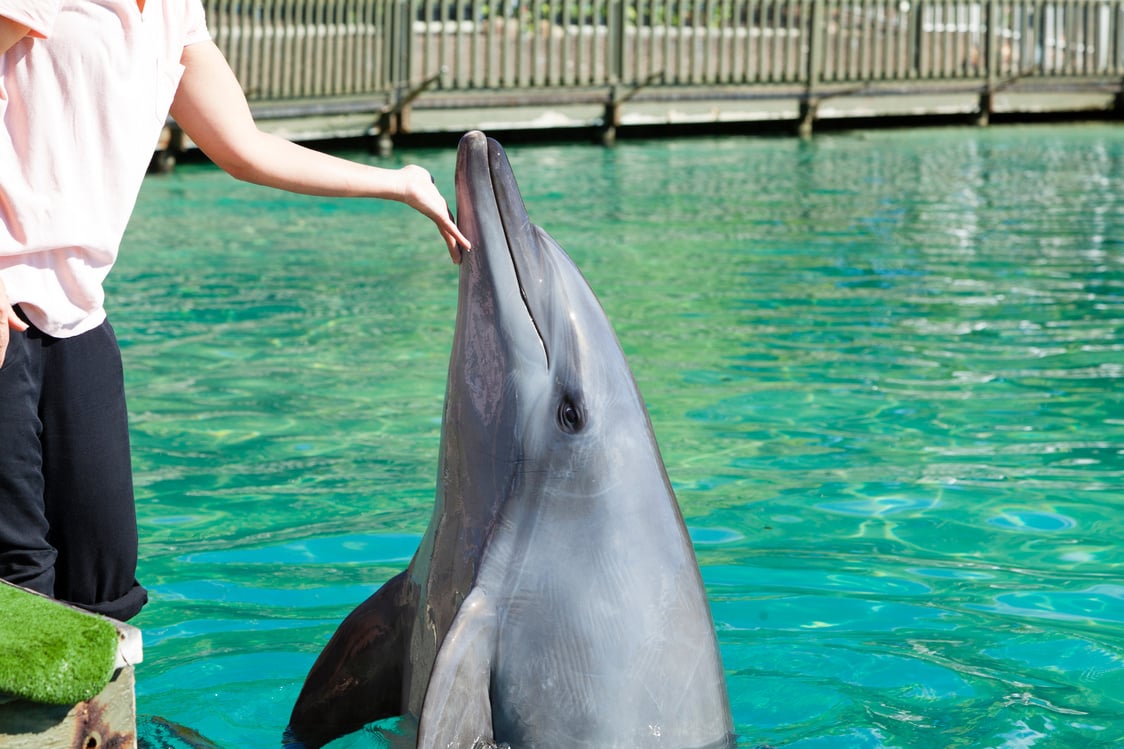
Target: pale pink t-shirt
{"x": 82, "y": 102}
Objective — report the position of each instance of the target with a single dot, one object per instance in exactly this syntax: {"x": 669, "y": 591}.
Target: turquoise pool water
{"x": 886, "y": 371}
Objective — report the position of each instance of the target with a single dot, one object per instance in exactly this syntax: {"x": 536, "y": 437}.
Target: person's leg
{"x": 26, "y": 556}
{"x": 88, "y": 486}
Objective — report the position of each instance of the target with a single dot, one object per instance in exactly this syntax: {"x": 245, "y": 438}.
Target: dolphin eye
{"x": 570, "y": 417}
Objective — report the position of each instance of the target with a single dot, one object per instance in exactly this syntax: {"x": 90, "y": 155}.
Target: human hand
{"x": 421, "y": 193}
{"x": 8, "y": 321}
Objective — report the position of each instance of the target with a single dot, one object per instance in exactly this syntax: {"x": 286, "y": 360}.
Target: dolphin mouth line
{"x": 498, "y": 162}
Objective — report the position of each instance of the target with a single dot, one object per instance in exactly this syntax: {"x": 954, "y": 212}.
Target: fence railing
{"x": 289, "y": 49}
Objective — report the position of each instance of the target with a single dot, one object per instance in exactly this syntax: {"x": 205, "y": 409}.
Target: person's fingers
{"x": 454, "y": 249}
{"x": 14, "y": 322}
{"x": 9, "y": 321}
{"x": 451, "y": 233}
{"x": 424, "y": 195}
{"x": 462, "y": 240}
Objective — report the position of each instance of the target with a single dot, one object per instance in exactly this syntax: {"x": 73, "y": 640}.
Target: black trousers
{"x": 68, "y": 525}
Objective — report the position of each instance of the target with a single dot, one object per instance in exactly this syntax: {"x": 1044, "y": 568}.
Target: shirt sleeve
{"x": 37, "y": 15}
{"x": 196, "y": 23}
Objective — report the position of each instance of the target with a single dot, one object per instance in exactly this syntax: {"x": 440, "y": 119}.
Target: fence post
{"x": 611, "y": 118}
{"x": 813, "y": 68}
{"x": 991, "y": 64}
{"x": 399, "y": 47}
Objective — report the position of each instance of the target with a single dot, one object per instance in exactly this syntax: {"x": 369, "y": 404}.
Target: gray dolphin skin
{"x": 555, "y": 600}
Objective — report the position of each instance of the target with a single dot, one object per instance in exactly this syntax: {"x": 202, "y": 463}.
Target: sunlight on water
{"x": 886, "y": 371}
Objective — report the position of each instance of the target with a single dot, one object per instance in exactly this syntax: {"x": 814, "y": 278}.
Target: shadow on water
{"x": 160, "y": 733}
{"x": 154, "y": 732}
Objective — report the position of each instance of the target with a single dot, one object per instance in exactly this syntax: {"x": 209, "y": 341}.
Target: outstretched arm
{"x": 212, "y": 110}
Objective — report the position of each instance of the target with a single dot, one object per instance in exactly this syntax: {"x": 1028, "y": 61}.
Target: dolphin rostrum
{"x": 555, "y": 600}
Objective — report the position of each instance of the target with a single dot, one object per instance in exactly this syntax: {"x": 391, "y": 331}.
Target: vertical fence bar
{"x": 305, "y": 54}
{"x": 892, "y": 23}
{"x": 784, "y": 28}
{"x": 616, "y": 32}
{"x": 752, "y": 39}
{"x": 429, "y": 43}
{"x": 898, "y": 62}
{"x": 863, "y": 35}
{"x": 690, "y": 40}
{"x": 505, "y": 33}
{"x": 960, "y": 33}
{"x": 601, "y": 34}
{"x": 1070, "y": 38}
{"x": 489, "y": 22}
{"x": 326, "y": 33}
{"x": 353, "y": 55}
{"x": 1116, "y": 14}
{"x": 944, "y": 44}
{"x": 673, "y": 38}
{"x": 846, "y": 40}
{"x": 519, "y": 41}
{"x": 702, "y": 46}
{"x": 254, "y": 83}
{"x": 942, "y": 38}
{"x": 880, "y": 38}
{"x": 1088, "y": 39}
{"x": 887, "y": 21}
{"x": 816, "y": 28}
{"x": 724, "y": 28}
{"x": 458, "y": 44}
{"x": 529, "y": 26}
{"x": 333, "y": 58}
{"x": 549, "y": 30}
{"x": 918, "y": 39}
{"x": 925, "y": 28}
{"x": 761, "y": 27}
{"x": 318, "y": 49}
{"x": 298, "y": 84}
{"x": 638, "y": 27}
{"x": 776, "y": 70}
{"x": 360, "y": 54}
{"x": 288, "y": 46}
{"x": 269, "y": 49}
{"x": 698, "y": 27}
{"x": 564, "y": 59}
{"x": 339, "y": 35}
{"x": 771, "y": 21}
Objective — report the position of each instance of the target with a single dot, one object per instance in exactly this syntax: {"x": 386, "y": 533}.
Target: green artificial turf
{"x": 50, "y": 652}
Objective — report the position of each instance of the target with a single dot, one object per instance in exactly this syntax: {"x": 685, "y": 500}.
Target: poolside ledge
{"x": 66, "y": 675}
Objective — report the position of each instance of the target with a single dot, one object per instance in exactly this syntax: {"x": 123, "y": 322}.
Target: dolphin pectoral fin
{"x": 358, "y": 677}
{"x": 458, "y": 709}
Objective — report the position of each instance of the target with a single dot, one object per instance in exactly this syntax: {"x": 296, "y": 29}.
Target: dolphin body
{"x": 555, "y": 600}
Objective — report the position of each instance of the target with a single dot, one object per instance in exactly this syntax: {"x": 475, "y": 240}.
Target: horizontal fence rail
{"x": 291, "y": 49}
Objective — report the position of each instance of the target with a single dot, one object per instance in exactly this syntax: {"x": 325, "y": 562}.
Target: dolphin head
{"x": 552, "y": 354}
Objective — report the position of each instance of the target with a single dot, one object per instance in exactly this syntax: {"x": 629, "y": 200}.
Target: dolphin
{"x": 555, "y": 599}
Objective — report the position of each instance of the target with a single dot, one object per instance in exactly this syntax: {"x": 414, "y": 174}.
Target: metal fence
{"x": 289, "y": 49}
